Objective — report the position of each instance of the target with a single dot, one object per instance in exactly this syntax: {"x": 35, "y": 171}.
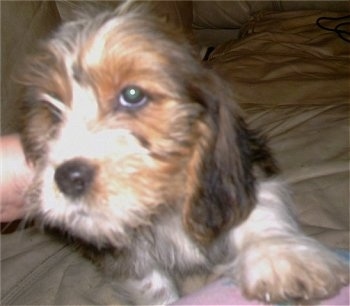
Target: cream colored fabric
{"x": 288, "y": 59}
{"x": 215, "y": 22}
{"x": 37, "y": 269}
{"x": 224, "y": 14}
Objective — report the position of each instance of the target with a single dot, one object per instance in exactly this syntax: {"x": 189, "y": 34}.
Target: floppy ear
{"x": 222, "y": 187}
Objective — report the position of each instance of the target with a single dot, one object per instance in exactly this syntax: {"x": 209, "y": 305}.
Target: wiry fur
{"x": 174, "y": 191}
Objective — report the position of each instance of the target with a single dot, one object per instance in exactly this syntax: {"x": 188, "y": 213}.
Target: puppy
{"x": 142, "y": 155}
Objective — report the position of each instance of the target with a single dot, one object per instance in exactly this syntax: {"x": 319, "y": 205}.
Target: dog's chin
{"x": 92, "y": 228}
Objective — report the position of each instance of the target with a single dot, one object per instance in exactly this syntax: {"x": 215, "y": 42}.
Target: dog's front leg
{"x": 275, "y": 262}
{"x": 155, "y": 288}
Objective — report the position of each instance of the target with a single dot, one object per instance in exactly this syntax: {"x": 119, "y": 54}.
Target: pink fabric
{"x": 225, "y": 292}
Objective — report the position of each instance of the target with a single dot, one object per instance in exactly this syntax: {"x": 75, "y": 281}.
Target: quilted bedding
{"x": 292, "y": 79}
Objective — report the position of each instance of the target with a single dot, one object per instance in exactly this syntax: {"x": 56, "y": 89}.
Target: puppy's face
{"x": 118, "y": 131}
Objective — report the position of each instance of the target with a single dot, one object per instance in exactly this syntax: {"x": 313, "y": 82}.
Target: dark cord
{"x": 339, "y": 29}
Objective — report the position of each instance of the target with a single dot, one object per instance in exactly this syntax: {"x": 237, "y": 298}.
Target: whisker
{"x": 57, "y": 104}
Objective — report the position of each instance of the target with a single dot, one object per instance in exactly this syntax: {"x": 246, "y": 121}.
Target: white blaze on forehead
{"x": 95, "y": 52}
{"x": 84, "y": 104}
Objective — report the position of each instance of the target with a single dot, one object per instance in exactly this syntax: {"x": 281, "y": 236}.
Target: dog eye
{"x": 132, "y": 96}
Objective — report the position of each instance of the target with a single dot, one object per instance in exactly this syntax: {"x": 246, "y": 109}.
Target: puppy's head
{"x": 122, "y": 124}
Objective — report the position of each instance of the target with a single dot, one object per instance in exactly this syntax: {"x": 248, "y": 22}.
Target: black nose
{"x": 74, "y": 177}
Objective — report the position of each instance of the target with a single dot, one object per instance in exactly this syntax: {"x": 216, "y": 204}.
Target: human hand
{"x": 16, "y": 175}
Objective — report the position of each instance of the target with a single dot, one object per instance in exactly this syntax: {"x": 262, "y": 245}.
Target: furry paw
{"x": 290, "y": 269}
